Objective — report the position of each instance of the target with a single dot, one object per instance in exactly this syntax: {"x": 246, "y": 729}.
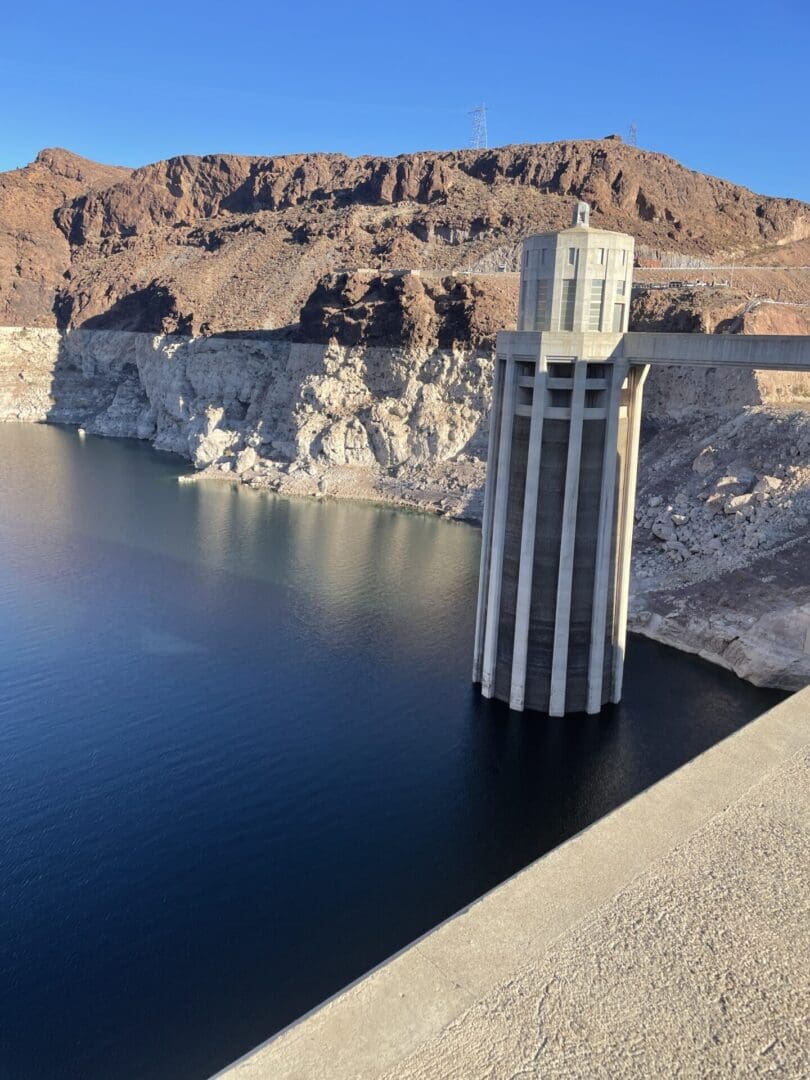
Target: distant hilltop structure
{"x": 559, "y": 507}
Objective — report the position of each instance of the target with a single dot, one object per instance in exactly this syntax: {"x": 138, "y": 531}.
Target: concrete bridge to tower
{"x": 559, "y": 509}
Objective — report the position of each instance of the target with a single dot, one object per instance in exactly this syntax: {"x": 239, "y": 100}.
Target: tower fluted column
{"x": 558, "y": 514}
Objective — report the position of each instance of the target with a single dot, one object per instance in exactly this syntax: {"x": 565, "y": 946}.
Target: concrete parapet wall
{"x": 685, "y": 904}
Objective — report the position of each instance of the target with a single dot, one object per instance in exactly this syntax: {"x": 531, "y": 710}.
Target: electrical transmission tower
{"x": 632, "y": 134}
{"x": 478, "y": 136}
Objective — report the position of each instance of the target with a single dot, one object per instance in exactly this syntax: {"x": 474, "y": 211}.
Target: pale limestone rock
{"x": 738, "y": 503}
{"x": 705, "y": 462}
{"x": 245, "y": 460}
{"x": 741, "y": 481}
{"x": 766, "y": 485}
{"x": 346, "y": 442}
{"x": 663, "y": 530}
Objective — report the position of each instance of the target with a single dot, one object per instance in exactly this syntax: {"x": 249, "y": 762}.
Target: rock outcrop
{"x": 228, "y": 243}
{"x": 410, "y": 309}
{"x": 721, "y": 541}
{"x": 35, "y": 254}
{"x": 401, "y": 425}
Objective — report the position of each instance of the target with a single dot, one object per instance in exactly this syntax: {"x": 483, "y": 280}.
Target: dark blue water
{"x": 241, "y": 760}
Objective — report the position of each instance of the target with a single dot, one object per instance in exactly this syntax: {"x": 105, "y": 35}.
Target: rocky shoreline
{"x": 721, "y": 546}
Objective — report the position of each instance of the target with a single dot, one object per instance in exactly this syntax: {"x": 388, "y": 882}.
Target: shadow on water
{"x": 242, "y": 761}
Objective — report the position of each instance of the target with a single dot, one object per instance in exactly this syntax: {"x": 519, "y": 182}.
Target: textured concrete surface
{"x": 672, "y": 938}
{"x": 699, "y": 969}
{"x": 781, "y": 352}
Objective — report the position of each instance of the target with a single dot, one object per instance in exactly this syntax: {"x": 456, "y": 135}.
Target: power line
{"x": 478, "y": 136}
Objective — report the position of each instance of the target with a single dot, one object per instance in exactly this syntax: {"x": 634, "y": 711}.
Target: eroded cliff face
{"x": 35, "y": 254}
{"x": 722, "y": 539}
{"x": 723, "y": 522}
{"x": 410, "y": 309}
{"x": 665, "y": 201}
{"x": 391, "y": 424}
{"x": 219, "y": 243}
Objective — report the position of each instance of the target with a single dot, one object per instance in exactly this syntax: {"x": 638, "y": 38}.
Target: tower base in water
{"x": 561, "y": 478}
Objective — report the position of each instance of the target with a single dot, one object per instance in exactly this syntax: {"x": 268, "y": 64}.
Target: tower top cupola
{"x": 582, "y": 215}
{"x": 578, "y": 280}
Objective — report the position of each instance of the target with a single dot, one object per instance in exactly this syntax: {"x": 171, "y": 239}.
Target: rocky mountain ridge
{"x": 225, "y": 242}
{"x": 34, "y": 253}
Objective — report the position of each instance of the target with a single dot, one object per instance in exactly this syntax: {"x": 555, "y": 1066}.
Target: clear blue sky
{"x": 721, "y": 86}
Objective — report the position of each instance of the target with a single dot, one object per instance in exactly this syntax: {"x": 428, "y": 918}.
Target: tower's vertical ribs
{"x": 527, "y": 539}
{"x": 550, "y": 610}
{"x": 602, "y": 576}
{"x": 486, "y": 521}
{"x": 500, "y": 500}
{"x": 638, "y": 376}
{"x": 559, "y": 663}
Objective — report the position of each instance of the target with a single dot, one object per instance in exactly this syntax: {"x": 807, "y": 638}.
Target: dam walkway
{"x": 669, "y": 938}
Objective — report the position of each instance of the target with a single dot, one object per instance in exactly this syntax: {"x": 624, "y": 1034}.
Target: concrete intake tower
{"x": 559, "y": 508}
{"x": 559, "y": 504}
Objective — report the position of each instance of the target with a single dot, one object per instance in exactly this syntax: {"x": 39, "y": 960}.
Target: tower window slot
{"x": 524, "y": 288}
{"x": 595, "y": 310}
{"x": 561, "y": 370}
{"x": 594, "y": 399}
{"x": 525, "y": 395}
{"x": 597, "y": 371}
{"x": 525, "y": 369}
{"x": 560, "y": 399}
{"x": 541, "y": 306}
{"x": 569, "y": 296}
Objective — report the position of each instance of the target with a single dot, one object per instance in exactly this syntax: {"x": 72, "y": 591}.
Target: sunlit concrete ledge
{"x": 671, "y": 934}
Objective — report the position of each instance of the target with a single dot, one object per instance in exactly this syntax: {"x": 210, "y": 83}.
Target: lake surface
{"x": 241, "y": 760}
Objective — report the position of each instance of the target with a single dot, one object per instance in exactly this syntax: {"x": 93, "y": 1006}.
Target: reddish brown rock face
{"x": 34, "y": 252}
{"x": 414, "y": 311}
{"x": 232, "y": 243}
